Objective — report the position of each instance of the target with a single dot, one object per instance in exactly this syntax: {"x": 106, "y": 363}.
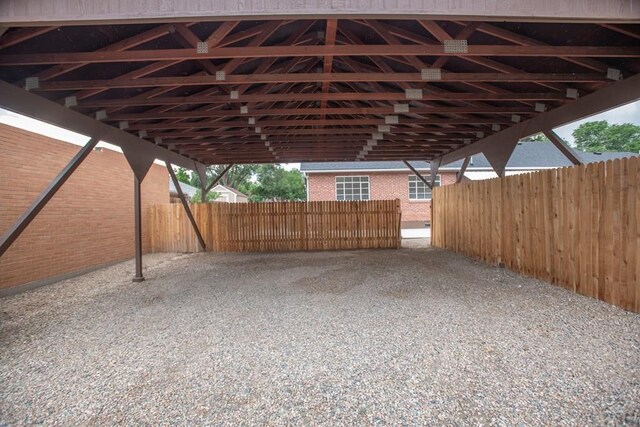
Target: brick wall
{"x": 87, "y": 223}
{"x": 383, "y": 185}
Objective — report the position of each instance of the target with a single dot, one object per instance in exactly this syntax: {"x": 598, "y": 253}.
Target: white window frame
{"x": 353, "y": 176}
{"x": 438, "y": 183}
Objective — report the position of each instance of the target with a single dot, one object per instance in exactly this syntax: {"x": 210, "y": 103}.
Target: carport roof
{"x": 276, "y": 89}
{"x": 527, "y": 155}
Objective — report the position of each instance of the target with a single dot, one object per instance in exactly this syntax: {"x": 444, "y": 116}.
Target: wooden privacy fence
{"x": 576, "y": 227}
{"x": 278, "y": 226}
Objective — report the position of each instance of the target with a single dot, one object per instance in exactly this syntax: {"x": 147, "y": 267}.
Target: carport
{"x": 299, "y": 82}
{"x": 413, "y": 336}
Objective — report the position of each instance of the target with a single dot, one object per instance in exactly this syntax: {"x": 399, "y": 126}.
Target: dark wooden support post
{"x": 463, "y": 169}
{"x": 203, "y": 194}
{"x": 137, "y": 212}
{"x": 564, "y": 148}
{"x": 420, "y": 177}
{"x": 25, "y": 219}
{"x": 140, "y": 163}
{"x": 176, "y": 183}
{"x": 435, "y": 167}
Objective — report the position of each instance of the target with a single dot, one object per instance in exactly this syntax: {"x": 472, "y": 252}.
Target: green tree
{"x": 273, "y": 182}
{"x": 212, "y": 196}
{"x": 183, "y": 175}
{"x": 601, "y": 136}
{"x": 238, "y": 177}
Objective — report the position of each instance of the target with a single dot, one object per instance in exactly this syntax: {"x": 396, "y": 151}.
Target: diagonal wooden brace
{"x": 176, "y": 183}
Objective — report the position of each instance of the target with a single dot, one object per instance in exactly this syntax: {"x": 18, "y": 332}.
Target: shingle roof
{"x": 188, "y": 190}
{"x": 527, "y": 155}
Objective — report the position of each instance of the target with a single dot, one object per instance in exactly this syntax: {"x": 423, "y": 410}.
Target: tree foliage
{"x": 259, "y": 182}
{"x": 238, "y": 177}
{"x": 183, "y": 175}
{"x": 600, "y": 136}
{"x": 212, "y": 196}
{"x": 275, "y": 183}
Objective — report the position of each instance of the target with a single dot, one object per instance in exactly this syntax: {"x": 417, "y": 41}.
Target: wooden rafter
{"x": 293, "y": 90}
{"x": 337, "y": 50}
{"x": 327, "y": 65}
{"x": 325, "y": 78}
{"x": 22, "y": 35}
{"x": 313, "y": 111}
{"x": 388, "y": 96}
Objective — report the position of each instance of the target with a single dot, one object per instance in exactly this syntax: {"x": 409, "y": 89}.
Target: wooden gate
{"x": 277, "y": 226}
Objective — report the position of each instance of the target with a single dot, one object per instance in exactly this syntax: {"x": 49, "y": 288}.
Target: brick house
{"x": 393, "y": 180}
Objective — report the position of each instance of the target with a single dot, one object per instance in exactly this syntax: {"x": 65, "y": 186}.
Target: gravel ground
{"x": 397, "y": 337}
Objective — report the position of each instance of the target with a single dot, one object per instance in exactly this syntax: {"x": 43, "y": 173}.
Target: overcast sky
{"x": 629, "y": 113}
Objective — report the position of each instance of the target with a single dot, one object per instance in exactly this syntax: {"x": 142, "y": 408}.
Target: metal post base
{"x": 138, "y": 279}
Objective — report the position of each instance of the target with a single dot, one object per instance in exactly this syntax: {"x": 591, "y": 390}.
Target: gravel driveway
{"x": 410, "y": 336}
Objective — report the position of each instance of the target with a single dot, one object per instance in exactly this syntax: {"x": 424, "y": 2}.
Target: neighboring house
{"x": 229, "y": 194}
{"x": 226, "y": 194}
{"x": 393, "y": 180}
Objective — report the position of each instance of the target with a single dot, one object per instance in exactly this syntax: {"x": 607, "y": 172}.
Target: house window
{"x": 352, "y": 188}
{"x": 418, "y": 190}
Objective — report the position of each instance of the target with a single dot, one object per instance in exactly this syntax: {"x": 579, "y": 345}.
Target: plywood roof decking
{"x": 317, "y": 90}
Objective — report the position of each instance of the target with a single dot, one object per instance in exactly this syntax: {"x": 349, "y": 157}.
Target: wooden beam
{"x": 318, "y": 122}
{"x": 128, "y": 43}
{"x": 312, "y": 131}
{"x": 189, "y": 40}
{"x": 498, "y": 155}
{"x": 612, "y": 96}
{"x": 267, "y": 64}
{"x": 530, "y": 42}
{"x": 330, "y": 142}
{"x": 436, "y": 31}
{"x": 468, "y": 29}
{"x": 562, "y": 146}
{"x": 331, "y": 29}
{"x": 200, "y": 80}
{"x": 463, "y": 169}
{"x": 338, "y": 50}
{"x": 416, "y": 173}
{"x": 16, "y": 229}
{"x": 32, "y": 105}
{"x": 20, "y": 35}
{"x": 140, "y": 72}
{"x": 185, "y": 205}
{"x": 314, "y": 112}
{"x": 221, "y": 32}
{"x": 342, "y": 96}
{"x": 419, "y": 65}
{"x": 217, "y": 179}
{"x": 627, "y": 30}
{"x": 265, "y": 31}
{"x": 434, "y": 165}
{"x": 306, "y": 156}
